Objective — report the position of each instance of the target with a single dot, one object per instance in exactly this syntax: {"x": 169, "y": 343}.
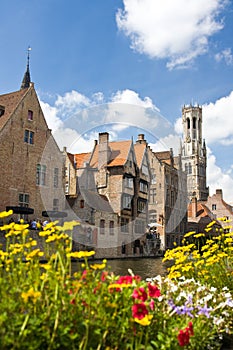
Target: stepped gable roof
{"x": 139, "y": 152}
{"x": 119, "y": 151}
{"x": 80, "y": 159}
{"x": 10, "y": 102}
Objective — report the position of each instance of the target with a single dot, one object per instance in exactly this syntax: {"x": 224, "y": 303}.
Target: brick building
{"x": 30, "y": 161}
{"x": 118, "y": 189}
{"x": 220, "y": 209}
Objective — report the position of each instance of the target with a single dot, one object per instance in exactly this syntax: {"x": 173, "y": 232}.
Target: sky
{"x": 127, "y": 67}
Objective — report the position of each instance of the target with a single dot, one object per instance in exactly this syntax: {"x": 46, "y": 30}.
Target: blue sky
{"x": 91, "y": 61}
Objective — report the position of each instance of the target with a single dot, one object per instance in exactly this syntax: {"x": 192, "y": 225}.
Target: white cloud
{"x": 175, "y": 30}
{"x": 225, "y": 55}
{"x": 217, "y": 179}
{"x": 217, "y": 121}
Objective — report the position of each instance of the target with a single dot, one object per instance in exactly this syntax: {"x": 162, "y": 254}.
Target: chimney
{"x": 219, "y": 193}
{"x": 141, "y": 138}
{"x": 104, "y": 150}
{"x": 194, "y": 207}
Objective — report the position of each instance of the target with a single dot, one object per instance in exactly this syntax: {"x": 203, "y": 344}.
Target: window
{"x": 29, "y": 137}
{"x": 127, "y": 201}
{"x": 214, "y": 206}
{"x": 124, "y": 225}
{"x": 56, "y": 204}
{"x": 189, "y": 168}
{"x": 153, "y": 195}
{"x": 188, "y": 123}
{"x": 30, "y": 115}
{"x": 141, "y": 205}
{"x": 111, "y": 227}
{"x": 55, "y": 178}
{"x": 128, "y": 182}
{"x": 143, "y": 186}
{"x": 40, "y": 174}
{"x": 81, "y": 203}
{"x": 194, "y": 122}
{"x": 23, "y": 200}
{"x": 102, "y": 226}
{"x": 153, "y": 179}
{"x": 66, "y": 187}
{"x": 139, "y": 226}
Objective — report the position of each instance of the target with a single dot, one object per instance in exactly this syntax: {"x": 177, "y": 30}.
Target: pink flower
{"x": 154, "y": 291}
{"x": 140, "y": 294}
{"x": 152, "y": 304}
{"x": 139, "y": 311}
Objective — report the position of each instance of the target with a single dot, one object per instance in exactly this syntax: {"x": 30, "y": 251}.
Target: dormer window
{"x": 30, "y": 115}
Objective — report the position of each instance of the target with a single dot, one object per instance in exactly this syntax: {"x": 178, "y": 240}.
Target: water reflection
{"x": 144, "y": 267}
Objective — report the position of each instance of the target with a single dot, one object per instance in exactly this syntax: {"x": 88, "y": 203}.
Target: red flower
{"x": 184, "y": 335}
{"x": 139, "y": 311}
{"x": 125, "y": 279}
{"x": 103, "y": 276}
{"x": 154, "y": 291}
{"x": 190, "y": 328}
{"x": 140, "y": 294}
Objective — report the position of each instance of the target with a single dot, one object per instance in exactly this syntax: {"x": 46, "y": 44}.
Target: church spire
{"x": 26, "y": 79}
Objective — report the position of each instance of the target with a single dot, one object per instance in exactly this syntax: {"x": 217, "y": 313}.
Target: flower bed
{"x": 43, "y": 306}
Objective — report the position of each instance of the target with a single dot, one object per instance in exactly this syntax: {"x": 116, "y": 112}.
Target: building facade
{"x": 30, "y": 160}
{"x": 194, "y": 153}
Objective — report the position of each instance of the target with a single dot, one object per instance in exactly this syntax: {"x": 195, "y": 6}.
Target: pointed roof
{"x": 139, "y": 152}
{"x": 26, "y": 79}
{"x": 10, "y": 102}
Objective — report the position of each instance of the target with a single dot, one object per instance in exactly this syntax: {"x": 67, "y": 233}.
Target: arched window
{"x": 190, "y": 169}
{"x": 194, "y": 123}
{"x": 188, "y": 123}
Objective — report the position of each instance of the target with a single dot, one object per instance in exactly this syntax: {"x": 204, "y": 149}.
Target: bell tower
{"x": 194, "y": 153}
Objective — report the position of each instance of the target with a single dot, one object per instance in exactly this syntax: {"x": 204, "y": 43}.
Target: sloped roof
{"x": 119, "y": 151}
{"x": 202, "y": 211}
{"x": 139, "y": 152}
{"x": 10, "y": 102}
{"x": 165, "y": 155}
{"x": 81, "y": 158}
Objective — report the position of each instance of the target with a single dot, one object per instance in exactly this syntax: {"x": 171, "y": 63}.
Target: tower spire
{"x": 26, "y": 79}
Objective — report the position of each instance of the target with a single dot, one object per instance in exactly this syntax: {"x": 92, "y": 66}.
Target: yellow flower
{"x": 31, "y": 294}
{"x": 189, "y": 234}
{"x": 46, "y": 266}
{"x": 98, "y": 266}
{"x": 145, "y": 321}
{"x": 5, "y": 214}
{"x": 81, "y": 254}
{"x": 34, "y": 253}
{"x": 199, "y": 235}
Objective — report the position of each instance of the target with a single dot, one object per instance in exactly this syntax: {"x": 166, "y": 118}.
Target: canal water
{"x": 144, "y": 267}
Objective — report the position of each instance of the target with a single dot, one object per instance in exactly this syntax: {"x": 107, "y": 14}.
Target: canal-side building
{"x": 110, "y": 194}
{"x": 199, "y": 216}
{"x": 29, "y": 175}
{"x": 220, "y": 209}
{"x": 168, "y": 197}
{"x": 129, "y": 199}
